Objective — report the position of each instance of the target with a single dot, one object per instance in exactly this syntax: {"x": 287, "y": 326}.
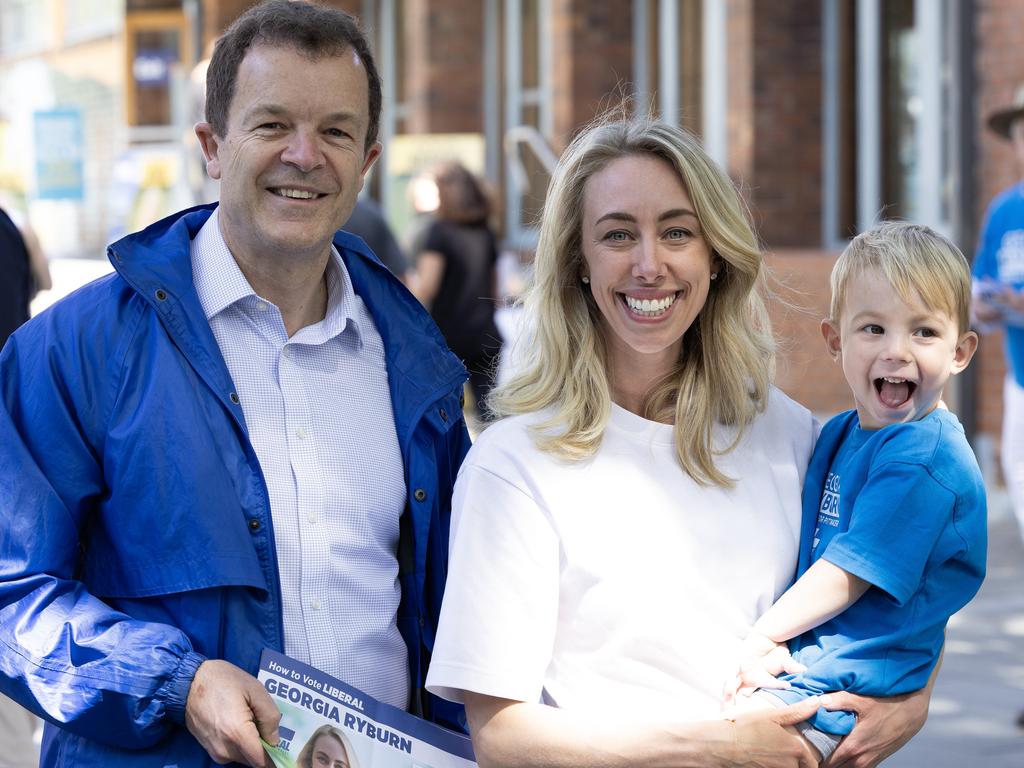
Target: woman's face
{"x": 328, "y": 752}
{"x": 648, "y": 263}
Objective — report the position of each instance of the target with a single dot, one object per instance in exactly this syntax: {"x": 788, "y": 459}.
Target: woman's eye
{"x": 677, "y": 233}
{"x": 617, "y": 236}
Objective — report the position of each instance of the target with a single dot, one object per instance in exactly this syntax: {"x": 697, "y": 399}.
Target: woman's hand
{"x": 883, "y": 726}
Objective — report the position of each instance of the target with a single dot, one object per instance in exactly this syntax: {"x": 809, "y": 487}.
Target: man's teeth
{"x": 650, "y": 307}
{"x": 300, "y": 194}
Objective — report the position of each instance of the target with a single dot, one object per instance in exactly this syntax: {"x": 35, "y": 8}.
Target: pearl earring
{"x": 714, "y": 275}
{"x": 585, "y": 280}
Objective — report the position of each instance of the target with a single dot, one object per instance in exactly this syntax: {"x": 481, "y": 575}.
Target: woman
{"x": 326, "y": 748}
{"x": 614, "y": 538}
{"x": 456, "y": 275}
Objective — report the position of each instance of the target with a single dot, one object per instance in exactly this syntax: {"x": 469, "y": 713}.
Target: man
{"x": 368, "y": 222}
{"x": 23, "y": 272}
{"x": 999, "y": 299}
{"x": 244, "y": 438}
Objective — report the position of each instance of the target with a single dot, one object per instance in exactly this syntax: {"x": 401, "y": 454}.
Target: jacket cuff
{"x": 177, "y": 688}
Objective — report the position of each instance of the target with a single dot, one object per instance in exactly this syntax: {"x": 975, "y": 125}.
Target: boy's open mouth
{"x": 894, "y": 392}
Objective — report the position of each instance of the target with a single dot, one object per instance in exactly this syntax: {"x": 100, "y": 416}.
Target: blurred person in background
{"x": 457, "y": 278}
{"x": 999, "y": 299}
{"x": 23, "y": 273}
{"x": 368, "y": 222}
{"x": 244, "y": 438}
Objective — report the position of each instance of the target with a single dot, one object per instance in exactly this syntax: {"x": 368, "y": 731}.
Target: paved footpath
{"x": 980, "y": 691}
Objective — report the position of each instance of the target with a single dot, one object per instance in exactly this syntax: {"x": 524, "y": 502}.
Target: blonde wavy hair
{"x": 727, "y": 360}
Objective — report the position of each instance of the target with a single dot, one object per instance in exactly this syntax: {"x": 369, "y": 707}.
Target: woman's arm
{"x": 429, "y": 271}
{"x": 513, "y": 734}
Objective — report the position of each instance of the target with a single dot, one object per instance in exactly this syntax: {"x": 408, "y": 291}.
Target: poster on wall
{"x": 59, "y": 154}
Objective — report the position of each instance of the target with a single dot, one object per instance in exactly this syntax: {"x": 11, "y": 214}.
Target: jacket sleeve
{"x": 65, "y": 654}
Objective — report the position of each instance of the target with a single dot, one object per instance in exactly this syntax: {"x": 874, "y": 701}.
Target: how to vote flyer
{"x": 327, "y": 721}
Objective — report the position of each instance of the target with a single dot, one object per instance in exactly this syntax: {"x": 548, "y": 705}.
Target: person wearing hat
{"x": 999, "y": 298}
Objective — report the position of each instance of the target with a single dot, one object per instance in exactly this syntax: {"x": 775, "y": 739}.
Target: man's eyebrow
{"x": 276, "y": 110}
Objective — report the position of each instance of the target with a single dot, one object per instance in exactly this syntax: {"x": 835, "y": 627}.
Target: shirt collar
{"x": 220, "y": 284}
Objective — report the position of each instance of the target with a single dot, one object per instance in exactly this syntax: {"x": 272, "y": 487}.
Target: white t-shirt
{"x": 617, "y": 582}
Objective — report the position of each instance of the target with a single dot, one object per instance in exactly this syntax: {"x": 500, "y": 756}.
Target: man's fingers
{"x": 797, "y": 713}
{"x": 266, "y": 715}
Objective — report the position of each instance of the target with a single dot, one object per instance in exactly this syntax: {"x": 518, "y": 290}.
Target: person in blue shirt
{"x": 246, "y": 437}
{"x": 893, "y": 498}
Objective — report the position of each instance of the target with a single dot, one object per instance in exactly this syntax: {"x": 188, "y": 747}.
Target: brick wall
{"x": 444, "y": 66}
{"x": 999, "y": 67}
{"x": 785, "y": 186}
{"x": 592, "y": 61}
{"x": 798, "y": 281}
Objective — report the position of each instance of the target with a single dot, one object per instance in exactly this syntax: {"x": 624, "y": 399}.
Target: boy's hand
{"x": 763, "y": 659}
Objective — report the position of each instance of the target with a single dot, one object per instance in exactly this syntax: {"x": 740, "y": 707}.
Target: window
{"x": 87, "y": 19}
{"x": 25, "y": 26}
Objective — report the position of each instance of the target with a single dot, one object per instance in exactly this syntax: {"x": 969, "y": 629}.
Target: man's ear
{"x": 965, "y": 349}
{"x": 210, "y": 143}
{"x": 833, "y": 342}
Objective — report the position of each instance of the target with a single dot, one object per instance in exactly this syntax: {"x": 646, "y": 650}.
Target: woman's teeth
{"x": 650, "y": 307}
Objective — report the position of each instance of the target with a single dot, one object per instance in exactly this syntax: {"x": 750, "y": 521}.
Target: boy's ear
{"x": 832, "y": 340}
{"x": 965, "y": 349}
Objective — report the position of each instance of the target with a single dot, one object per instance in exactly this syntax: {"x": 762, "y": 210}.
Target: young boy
{"x": 893, "y": 492}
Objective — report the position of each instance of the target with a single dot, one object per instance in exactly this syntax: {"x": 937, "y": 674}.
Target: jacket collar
{"x": 156, "y": 264}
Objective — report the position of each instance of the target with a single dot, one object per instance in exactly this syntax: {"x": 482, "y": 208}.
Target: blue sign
{"x": 59, "y": 151}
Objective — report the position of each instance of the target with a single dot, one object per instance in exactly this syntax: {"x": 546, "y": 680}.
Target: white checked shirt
{"x": 318, "y": 410}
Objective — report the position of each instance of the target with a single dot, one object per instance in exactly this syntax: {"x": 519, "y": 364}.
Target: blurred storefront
{"x": 829, "y": 114}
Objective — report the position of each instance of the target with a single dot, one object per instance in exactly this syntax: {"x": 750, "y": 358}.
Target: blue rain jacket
{"x": 135, "y": 529}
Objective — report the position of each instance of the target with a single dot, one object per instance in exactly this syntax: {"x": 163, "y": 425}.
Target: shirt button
{"x": 419, "y": 494}
{"x": 311, "y": 517}
{"x": 287, "y": 352}
{"x": 254, "y": 524}
{"x": 315, "y": 604}
{"x": 261, "y": 306}
{"x": 300, "y": 433}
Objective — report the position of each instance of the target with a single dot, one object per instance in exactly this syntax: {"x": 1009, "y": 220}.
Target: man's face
{"x": 293, "y": 158}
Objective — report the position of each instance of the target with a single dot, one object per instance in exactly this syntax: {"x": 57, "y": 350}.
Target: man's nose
{"x": 303, "y": 151}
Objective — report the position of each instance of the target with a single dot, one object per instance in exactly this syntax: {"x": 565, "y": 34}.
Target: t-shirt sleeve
{"x": 895, "y": 524}
{"x": 985, "y": 265}
{"x": 500, "y": 607}
{"x": 434, "y": 239}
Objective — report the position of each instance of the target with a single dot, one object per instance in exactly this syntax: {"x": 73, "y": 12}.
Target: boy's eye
{"x": 874, "y": 329}
{"x": 927, "y": 333}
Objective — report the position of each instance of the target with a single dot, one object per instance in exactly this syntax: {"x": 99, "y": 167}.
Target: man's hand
{"x": 766, "y": 739}
{"x": 883, "y": 726}
{"x": 228, "y": 711}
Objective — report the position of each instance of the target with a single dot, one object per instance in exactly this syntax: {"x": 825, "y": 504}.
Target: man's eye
{"x": 271, "y": 126}
{"x": 337, "y": 133}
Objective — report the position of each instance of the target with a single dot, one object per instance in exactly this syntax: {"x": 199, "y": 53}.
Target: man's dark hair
{"x": 313, "y": 30}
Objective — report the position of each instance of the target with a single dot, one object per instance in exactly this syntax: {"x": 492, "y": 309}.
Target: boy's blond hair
{"x": 918, "y": 262}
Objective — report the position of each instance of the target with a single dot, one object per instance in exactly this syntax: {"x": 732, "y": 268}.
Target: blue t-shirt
{"x": 1000, "y": 258}
{"x": 902, "y": 507}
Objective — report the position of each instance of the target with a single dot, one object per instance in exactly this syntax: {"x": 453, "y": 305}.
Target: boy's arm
{"x": 822, "y": 593}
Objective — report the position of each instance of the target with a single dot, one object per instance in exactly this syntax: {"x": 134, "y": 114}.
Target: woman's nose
{"x": 647, "y": 262}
